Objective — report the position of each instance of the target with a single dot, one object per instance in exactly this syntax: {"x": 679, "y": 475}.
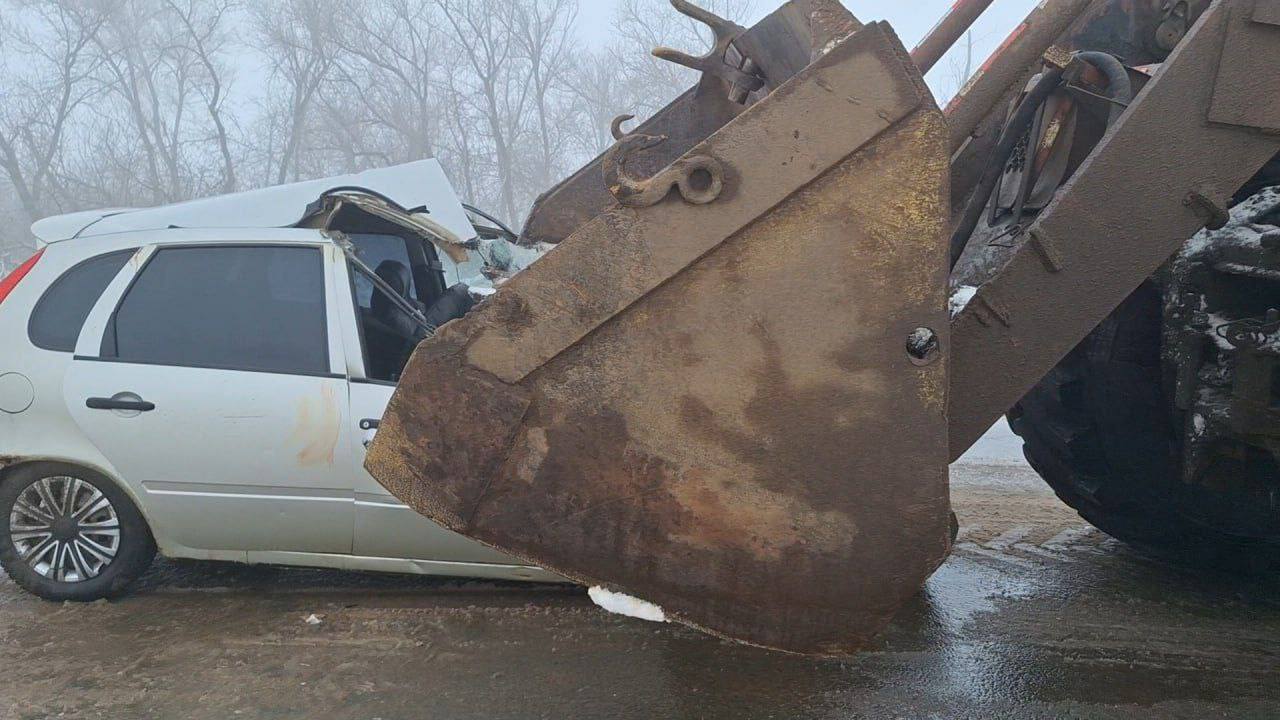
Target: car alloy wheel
{"x": 64, "y": 529}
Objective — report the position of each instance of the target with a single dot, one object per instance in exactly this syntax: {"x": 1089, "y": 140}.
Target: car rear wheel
{"x": 69, "y": 533}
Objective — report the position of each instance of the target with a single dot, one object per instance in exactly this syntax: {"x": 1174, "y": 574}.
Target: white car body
{"x": 238, "y": 465}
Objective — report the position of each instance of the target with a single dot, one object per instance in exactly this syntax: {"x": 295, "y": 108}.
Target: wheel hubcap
{"x": 65, "y": 529}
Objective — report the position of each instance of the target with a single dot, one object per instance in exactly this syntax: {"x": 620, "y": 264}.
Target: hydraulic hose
{"x": 1119, "y": 90}
{"x": 1119, "y": 84}
{"x": 1013, "y": 133}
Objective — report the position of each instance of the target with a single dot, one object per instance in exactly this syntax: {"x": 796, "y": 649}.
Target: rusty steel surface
{"x": 944, "y": 35}
{"x": 1242, "y": 96}
{"x": 779, "y": 46}
{"x": 712, "y": 407}
{"x": 1123, "y": 214}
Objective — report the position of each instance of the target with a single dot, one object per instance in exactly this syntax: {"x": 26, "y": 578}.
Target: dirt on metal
{"x": 712, "y": 407}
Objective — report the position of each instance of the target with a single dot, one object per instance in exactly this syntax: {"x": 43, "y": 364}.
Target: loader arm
{"x": 733, "y": 388}
{"x": 1206, "y": 124}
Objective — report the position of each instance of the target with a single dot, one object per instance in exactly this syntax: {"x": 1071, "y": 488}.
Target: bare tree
{"x": 297, "y": 36}
{"x": 125, "y": 102}
{"x": 959, "y": 69}
{"x": 47, "y": 76}
{"x": 386, "y": 107}
{"x": 482, "y": 39}
{"x": 543, "y": 32}
{"x": 205, "y": 38}
{"x": 601, "y": 93}
{"x": 162, "y": 78}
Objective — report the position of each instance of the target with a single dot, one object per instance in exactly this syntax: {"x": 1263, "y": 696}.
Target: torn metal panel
{"x": 326, "y": 212}
{"x": 661, "y": 407}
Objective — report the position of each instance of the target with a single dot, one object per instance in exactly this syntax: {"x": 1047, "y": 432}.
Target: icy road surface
{"x": 1035, "y": 616}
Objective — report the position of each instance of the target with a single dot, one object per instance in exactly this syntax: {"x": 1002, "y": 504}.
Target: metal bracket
{"x": 741, "y": 80}
{"x": 1214, "y": 215}
{"x": 1266, "y": 12}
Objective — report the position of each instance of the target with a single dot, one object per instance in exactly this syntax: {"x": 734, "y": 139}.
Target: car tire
{"x": 97, "y": 542}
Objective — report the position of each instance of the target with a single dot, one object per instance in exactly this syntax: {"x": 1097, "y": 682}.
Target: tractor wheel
{"x": 1098, "y": 429}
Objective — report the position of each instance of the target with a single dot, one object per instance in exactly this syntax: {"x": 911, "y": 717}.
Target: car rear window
{"x": 258, "y": 308}
{"x": 60, "y": 313}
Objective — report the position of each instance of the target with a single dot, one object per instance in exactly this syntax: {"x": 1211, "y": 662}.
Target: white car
{"x": 202, "y": 379}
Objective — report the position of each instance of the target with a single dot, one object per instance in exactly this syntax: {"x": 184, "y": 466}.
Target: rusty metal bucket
{"x": 714, "y": 403}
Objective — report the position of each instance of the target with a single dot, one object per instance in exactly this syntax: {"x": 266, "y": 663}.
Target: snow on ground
{"x": 620, "y": 604}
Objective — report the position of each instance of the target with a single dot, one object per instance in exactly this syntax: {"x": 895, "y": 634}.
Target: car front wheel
{"x": 69, "y": 533}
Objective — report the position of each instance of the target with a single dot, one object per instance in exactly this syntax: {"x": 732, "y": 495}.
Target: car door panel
{"x": 385, "y": 527}
{"x": 225, "y": 458}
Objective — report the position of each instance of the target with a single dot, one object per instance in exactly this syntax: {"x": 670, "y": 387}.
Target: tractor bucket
{"x": 778, "y": 47}
{"x": 726, "y": 393}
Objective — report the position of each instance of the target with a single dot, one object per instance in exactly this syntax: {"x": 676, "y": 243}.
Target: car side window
{"x": 256, "y": 308}
{"x": 386, "y": 332}
{"x": 378, "y": 251}
{"x": 60, "y": 313}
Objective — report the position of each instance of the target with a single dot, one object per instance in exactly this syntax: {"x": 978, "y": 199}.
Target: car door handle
{"x": 370, "y": 428}
{"x": 100, "y": 403}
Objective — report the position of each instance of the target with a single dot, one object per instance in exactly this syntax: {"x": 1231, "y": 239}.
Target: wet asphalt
{"x": 1036, "y": 615}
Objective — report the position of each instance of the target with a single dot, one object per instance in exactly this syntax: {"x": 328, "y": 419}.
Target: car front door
{"x": 386, "y": 527}
{"x": 214, "y": 383}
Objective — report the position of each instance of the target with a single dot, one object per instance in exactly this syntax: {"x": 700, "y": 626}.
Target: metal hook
{"x": 698, "y": 178}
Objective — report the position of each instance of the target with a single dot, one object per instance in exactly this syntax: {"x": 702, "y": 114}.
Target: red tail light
{"x": 8, "y": 284}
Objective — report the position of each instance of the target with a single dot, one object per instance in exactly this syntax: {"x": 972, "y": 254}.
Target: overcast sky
{"x": 911, "y": 18}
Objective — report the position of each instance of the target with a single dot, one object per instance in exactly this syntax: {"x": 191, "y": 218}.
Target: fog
{"x": 126, "y": 103}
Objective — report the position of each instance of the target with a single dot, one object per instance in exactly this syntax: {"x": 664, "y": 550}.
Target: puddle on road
{"x": 1100, "y": 631}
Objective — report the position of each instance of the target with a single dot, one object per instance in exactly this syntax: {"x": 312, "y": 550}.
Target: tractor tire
{"x": 1099, "y": 430}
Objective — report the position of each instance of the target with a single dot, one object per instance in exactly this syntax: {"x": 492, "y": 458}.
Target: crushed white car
{"x": 201, "y": 379}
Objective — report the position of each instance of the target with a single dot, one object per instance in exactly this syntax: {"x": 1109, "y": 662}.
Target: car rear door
{"x": 212, "y": 379}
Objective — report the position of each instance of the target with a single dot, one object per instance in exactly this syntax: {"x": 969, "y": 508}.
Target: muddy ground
{"x": 1035, "y": 615}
